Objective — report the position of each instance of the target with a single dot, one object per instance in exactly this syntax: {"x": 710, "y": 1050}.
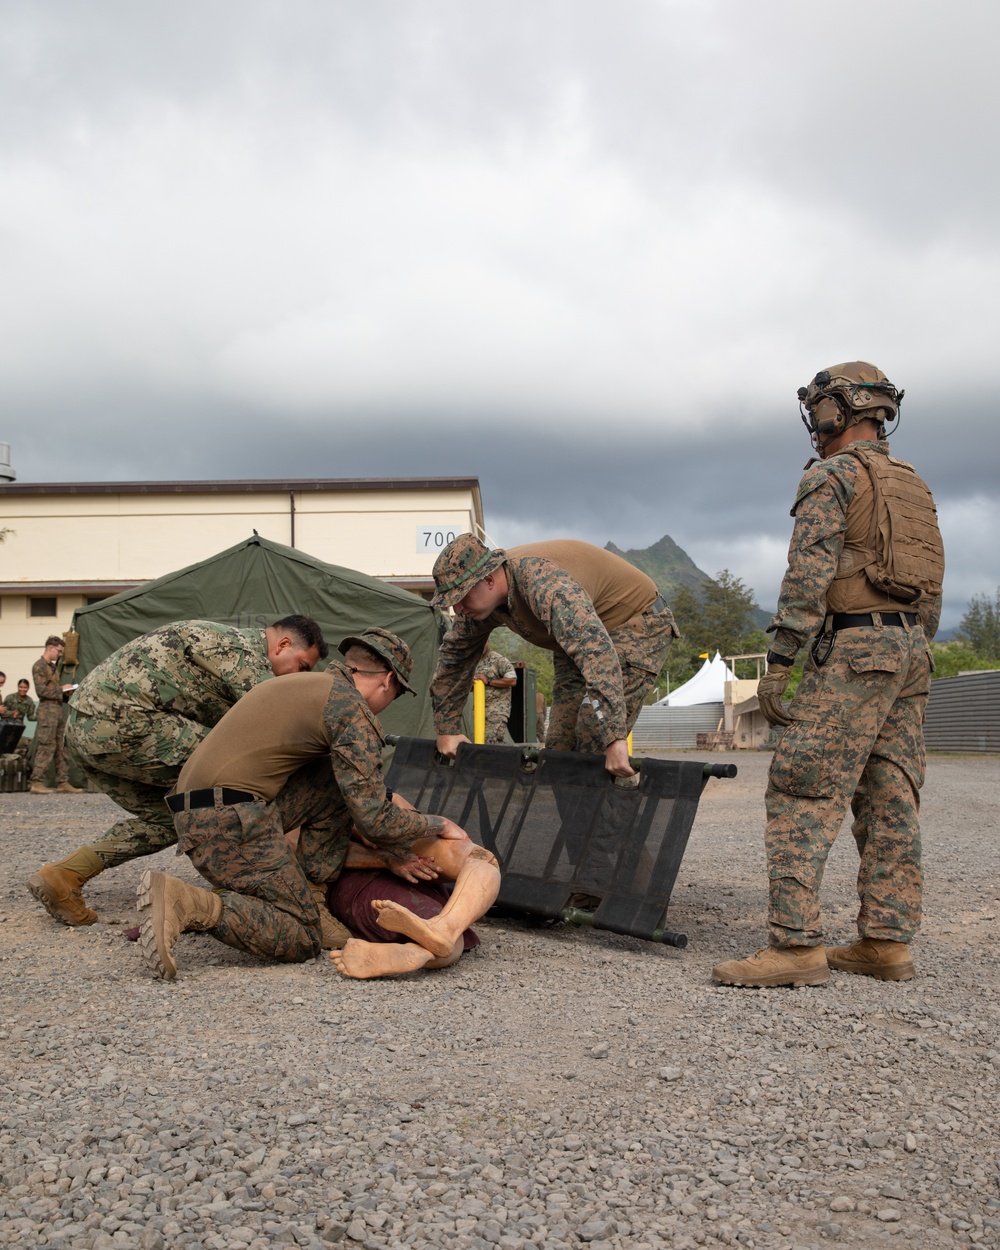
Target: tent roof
{"x": 706, "y": 686}
{"x": 255, "y": 583}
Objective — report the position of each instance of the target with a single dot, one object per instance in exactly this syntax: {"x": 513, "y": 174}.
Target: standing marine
{"x": 50, "y": 745}
{"x": 862, "y": 593}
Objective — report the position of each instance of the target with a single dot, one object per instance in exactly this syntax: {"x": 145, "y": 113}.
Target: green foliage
{"x": 952, "y": 658}
{"x": 980, "y": 627}
{"x": 721, "y": 617}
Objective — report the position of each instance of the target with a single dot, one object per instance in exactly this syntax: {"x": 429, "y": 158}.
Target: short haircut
{"x": 305, "y": 631}
{"x": 4, "y": 676}
{"x": 54, "y": 640}
{"x": 359, "y": 656}
{"x": 23, "y": 681}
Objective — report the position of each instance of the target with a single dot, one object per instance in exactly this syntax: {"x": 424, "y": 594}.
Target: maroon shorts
{"x": 350, "y": 897}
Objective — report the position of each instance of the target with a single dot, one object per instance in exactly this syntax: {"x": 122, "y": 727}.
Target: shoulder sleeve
{"x": 562, "y": 603}
{"x": 461, "y": 650}
{"x": 236, "y": 657}
{"x": 820, "y": 512}
{"x": 356, "y": 758}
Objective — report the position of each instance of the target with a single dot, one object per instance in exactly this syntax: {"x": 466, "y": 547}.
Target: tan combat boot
{"x": 57, "y": 887}
{"x": 64, "y": 787}
{"x": 169, "y": 907}
{"x": 790, "y": 965}
{"x": 39, "y": 787}
{"x": 872, "y": 957}
{"x": 335, "y": 935}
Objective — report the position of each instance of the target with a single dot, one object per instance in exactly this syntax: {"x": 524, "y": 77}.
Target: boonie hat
{"x": 391, "y": 648}
{"x": 464, "y": 562}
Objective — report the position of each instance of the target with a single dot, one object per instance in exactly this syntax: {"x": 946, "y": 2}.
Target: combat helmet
{"x": 842, "y": 395}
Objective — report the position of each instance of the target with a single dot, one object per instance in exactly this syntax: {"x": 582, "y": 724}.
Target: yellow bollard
{"x": 629, "y": 741}
{"x": 479, "y": 711}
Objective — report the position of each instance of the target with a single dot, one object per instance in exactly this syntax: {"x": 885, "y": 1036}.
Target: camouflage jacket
{"x": 23, "y": 708}
{"x": 543, "y": 600}
{"x": 193, "y": 669}
{"x": 356, "y": 742}
{"x": 48, "y": 683}
{"x": 820, "y": 511}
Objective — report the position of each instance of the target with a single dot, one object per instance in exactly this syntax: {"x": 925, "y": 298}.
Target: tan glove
{"x": 770, "y": 688}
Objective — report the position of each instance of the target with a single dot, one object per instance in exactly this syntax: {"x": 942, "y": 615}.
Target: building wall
{"x": 79, "y": 543}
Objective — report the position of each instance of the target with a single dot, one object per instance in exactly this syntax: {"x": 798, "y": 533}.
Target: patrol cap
{"x": 464, "y": 562}
{"x": 391, "y": 648}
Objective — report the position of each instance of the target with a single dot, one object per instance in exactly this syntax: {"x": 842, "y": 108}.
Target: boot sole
{"x": 149, "y": 901}
{"x": 819, "y": 976}
{"x": 893, "y": 972}
{"x": 42, "y": 892}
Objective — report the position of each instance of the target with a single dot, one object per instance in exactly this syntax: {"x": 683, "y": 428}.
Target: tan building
{"x": 68, "y": 544}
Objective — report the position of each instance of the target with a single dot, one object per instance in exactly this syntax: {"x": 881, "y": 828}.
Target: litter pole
{"x": 581, "y": 918}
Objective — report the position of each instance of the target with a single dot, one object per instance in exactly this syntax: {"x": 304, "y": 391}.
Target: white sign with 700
{"x": 432, "y": 539}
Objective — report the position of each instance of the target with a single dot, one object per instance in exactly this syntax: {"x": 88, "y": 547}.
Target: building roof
{"x": 241, "y": 486}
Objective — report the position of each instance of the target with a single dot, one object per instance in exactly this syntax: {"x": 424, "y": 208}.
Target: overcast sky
{"x": 585, "y": 250}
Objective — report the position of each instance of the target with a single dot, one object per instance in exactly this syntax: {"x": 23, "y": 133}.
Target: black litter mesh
{"x": 563, "y": 828}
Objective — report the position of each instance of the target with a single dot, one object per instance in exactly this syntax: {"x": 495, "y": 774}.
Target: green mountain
{"x": 670, "y": 566}
{"x": 667, "y": 564}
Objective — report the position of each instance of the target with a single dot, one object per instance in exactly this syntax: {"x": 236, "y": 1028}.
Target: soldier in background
{"x": 605, "y": 621}
{"x": 137, "y": 717}
{"x": 863, "y": 587}
{"x": 20, "y": 706}
{"x": 499, "y": 677}
{"x": 52, "y": 712}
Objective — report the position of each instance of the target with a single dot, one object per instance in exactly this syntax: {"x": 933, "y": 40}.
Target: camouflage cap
{"x": 464, "y": 562}
{"x": 390, "y": 647}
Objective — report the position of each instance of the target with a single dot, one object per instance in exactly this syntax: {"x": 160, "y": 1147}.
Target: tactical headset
{"x": 845, "y": 394}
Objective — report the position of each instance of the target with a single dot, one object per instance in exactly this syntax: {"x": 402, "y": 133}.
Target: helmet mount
{"x": 843, "y": 395}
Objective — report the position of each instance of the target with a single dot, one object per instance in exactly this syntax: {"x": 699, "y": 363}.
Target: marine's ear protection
{"x": 844, "y": 395}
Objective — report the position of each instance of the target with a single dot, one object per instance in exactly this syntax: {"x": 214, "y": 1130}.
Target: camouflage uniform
{"x": 601, "y": 678}
{"x": 141, "y": 712}
{"x": 267, "y": 906}
{"x": 857, "y": 730}
{"x": 51, "y": 718}
{"x": 21, "y": 709}
{"x": 494, "y": 667}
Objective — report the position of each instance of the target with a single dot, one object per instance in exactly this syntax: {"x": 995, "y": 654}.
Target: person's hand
{"x": 770, "y": 688}
{"x": 412, "y": 868}
{"x": 616, "y": 759}
{"x": 447, "y": 744}
{"x": 451, "y": 831}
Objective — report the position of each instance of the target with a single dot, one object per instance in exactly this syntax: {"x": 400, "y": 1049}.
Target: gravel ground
{"x": 556, "y": 1087}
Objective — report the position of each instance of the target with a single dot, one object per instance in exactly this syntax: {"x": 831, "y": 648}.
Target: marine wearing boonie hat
{"x": 390, "y": 647}
{"x": 464, "y": 562}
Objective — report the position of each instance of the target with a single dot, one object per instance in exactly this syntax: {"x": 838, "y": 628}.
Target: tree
{"x": 980, "y": 626}
{"x": 719, "y": 618}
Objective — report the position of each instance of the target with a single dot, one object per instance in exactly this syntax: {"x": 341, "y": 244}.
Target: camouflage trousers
{"x": 267, "y": 905}
{"x": 49, "y": 741}
{"x": 497, "y": 731}
{"x": 856, "y": 737}
{"x": 641, "y": 647}
{"x": 136, "y": 762}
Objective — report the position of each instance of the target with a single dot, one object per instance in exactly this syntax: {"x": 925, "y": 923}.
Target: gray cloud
{"x": 586, "y": 252}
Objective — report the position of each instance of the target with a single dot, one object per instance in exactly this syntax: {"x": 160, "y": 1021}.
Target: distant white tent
{"x": 706, "y": 686}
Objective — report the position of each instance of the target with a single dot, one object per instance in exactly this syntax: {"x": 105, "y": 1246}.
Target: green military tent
{"x": 253, "y": 584}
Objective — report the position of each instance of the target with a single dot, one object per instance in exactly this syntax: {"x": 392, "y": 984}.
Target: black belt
{"x": 849, "y": 620}
{"x": 206, "y": 798}
{"x": 658, "y": 605}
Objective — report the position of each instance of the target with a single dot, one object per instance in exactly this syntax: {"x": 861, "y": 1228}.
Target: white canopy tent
{"x": 706, "y": 686}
